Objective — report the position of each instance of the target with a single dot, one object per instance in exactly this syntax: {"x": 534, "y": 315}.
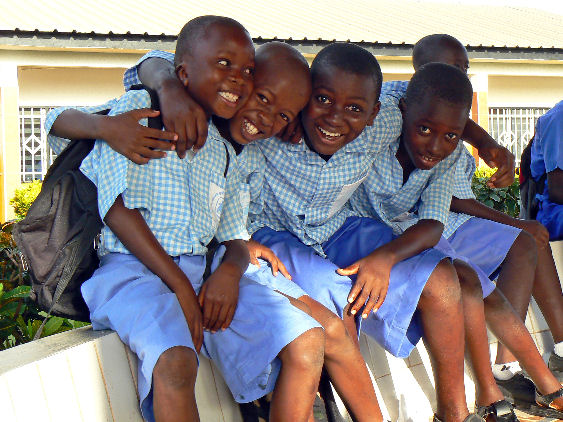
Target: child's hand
{"x": 537, "y": 230}
{"x": 137, "y": 142}
{"x": 182, "y": 115}
{"x": 219, "y": 296}
{"x": 257, "y": 250}
{"x": 192, "y": 313}
{"x": 503, "y": 160}
{"x": 292, "y": 132}
{"x": 371, "y": 284}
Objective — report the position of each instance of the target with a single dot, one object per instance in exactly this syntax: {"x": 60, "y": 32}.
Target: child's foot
{"x": 472, "y": 417}
{"x": 500, "y": 411}
{"x": 514, "y": 385}
{"x": 547, "y": 401}
{"x": 555, "y": 364}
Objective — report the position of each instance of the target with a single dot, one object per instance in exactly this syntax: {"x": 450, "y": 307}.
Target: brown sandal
{"x": 545, "y": 401}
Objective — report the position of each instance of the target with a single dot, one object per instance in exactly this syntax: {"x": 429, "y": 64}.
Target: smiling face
{"x": 218, "y": 71}
{"x": 282, "y": 87}
{"x": 341, "y": 105}
{"x": 431, "y": 131}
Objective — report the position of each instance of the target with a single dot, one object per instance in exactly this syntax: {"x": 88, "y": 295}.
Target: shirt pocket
{"x": 345, "y": 193}
{"x": 209, "y": 193}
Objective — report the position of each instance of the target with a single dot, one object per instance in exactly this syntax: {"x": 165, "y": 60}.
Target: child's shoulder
{"x": 132, "y": 100}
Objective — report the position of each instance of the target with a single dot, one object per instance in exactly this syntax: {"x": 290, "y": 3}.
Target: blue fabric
{"x": 123, "y": 295}
{"x": 184, "y": 202}
{"x": 469, "y": 238}
{"x": 305, "y": 194}
{"x": 395, "y": 325}
{"x": 130, "y": 77}
{"x": 547, "y": 155}
{"x": 427, "y": 194}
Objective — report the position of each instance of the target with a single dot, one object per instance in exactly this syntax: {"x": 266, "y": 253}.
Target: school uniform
{"x": 305, "y": 218}
{"x": 185, "y": 203}
{"x": 465, "y": 235}
{"x": 547, "y": 156}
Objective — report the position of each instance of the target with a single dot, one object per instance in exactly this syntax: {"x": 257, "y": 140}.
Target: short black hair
{"x": 441, "y": 81}
{"x": 349, "y": 58}
{"x": 196, "y": 28}
{"x": 425, "y": 49}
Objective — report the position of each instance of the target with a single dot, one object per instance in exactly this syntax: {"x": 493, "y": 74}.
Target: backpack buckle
{"x": 97, "y": 241}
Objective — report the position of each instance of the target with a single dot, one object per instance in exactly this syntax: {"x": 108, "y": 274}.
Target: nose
{"x": 434, "y": 146}
{"x": 335, "y": 116}
{"x": 266, "y": 119}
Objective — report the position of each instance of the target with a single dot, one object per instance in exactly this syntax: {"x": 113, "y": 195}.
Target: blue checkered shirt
{"x": 394, "y": 88}
{"x": 427, "y": 194}
{"x": 58, "y": 144}
{"x": 184, "y": 202}
{"x": 306, "y": 195}
{"x": 130, "y": 77}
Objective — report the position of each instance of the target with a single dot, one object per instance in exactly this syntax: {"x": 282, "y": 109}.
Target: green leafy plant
{"x": 24, "y": 197}
{"x": 506, "y": 200}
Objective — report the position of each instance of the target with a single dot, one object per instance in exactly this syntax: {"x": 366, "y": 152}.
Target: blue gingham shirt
{"x": 184, "y": 202}
{"x": 59, "y": 144}
{"x": 305, "y": 194}
{"x": 130, "y": 77}
{"x": 427, "y": 194}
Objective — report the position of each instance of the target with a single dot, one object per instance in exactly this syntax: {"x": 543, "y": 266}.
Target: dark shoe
{"x": 545, "y": 401}
{"x": 555, "y": 364}
{"x": 517, "y": 389}
{"x": 501, "y": 410}
{"x": 472, "y": 417}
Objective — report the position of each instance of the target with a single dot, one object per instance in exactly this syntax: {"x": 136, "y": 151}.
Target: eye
{"x": 424, "y": 130}
{"x": 451, "y": 136}
{"x": 285, "y": 117}
{"x": 248, "y": 71}
{"x": 262, "y": 98}
{"x": 323, "y": 99}
{"x": 354, "y": 108}
{"x": 223, "y": 62}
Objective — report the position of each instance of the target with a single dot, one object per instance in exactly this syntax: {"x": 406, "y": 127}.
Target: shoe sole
{"x": 537, "y": 410}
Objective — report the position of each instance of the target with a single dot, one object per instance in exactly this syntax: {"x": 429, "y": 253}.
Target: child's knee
{"x": 443, "y": 285}
{"x": 306, "y": 351}
{"x": 176, "y": 368}
{"x": 524, "y": 248}
{"x": 468, "y": 280}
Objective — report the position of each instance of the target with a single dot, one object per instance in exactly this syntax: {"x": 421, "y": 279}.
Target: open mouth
{"x": 229, "y": 97}
{"x": 329, "y": 136}
{"x": 429, "y": 160}
{"x": 250, "y": 128}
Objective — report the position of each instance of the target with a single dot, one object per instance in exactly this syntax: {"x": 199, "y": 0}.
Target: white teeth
{"x": 230, "y": 97}
{"x": 250, "y": 128}
{"x": 329, "y": 134}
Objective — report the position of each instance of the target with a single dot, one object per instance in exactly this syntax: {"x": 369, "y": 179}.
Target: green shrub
{"x": 506, "y": 200}
{"x": 24, "y": 197}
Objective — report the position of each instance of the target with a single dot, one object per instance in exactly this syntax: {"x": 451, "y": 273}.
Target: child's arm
{"x": 374, "y": 270}
{"x": 555, "y": 186}
{"x": 219, "y": 293}
{"x": 132, "y": 230}
{"x": 180, "y": 113}
{"x": 122, "y": 132}
{"x": 477, "y": 209}
{"x": 492, "y": 153}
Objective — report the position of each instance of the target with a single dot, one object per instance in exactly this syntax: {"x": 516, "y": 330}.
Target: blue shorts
{"x": 551, "y": 216}
{"x": 123, "y": 295}
{"x": 263, "y": 275}
{"x": 485, "y": 243}
{"x": 395, "y": 325}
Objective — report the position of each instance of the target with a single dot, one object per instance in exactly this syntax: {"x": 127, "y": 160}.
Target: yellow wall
{"x": 525, "y": 91}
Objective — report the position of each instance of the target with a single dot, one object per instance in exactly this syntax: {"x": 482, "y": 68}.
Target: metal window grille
{"x": 36, "y": 156}
{"x": 513, "y": 127}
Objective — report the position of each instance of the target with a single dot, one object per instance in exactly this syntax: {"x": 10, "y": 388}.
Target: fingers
{"x": 210, "y": 314}
{"x": 360, "y": 301}
{"x": 283, "y": 270}
{"x": 254, "y": 260}
{"x": 137, "y": 158}
{"x": 229, "y": 317}
{"x": 197, "y": 336}
{"x": 221, "y": 317}
{"x": 501, "y": 178}
{"x": 143, "y": 113}
{"x": 351, "y": 270}
{"x": 191, "y": 132}
{"x": 297, "y": 134}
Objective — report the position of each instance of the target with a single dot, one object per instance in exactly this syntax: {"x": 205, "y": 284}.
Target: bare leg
{"x": 345, "y": 365}
{"x": 296, "y": 387}
{"x": 441, "y": 313}
{"x": 477, "y": 344}
{"x": 509, "y": 328}
{"x": 174, "y": 378}
{"x": 516, "y": 281}
{"x": 547, "y": 292}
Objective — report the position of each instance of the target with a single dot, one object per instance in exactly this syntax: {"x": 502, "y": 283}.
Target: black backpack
{"x": 529, "y": 204}
{"x": 58, "y": 237}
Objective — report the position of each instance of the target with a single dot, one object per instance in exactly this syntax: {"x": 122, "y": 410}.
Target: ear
{"x": 182, "y": 74}
{"x": 403, "y": 107}
{"x": 373, "y": 114}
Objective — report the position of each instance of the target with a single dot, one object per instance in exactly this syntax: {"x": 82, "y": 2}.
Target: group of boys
{"x": 350, "y": 221}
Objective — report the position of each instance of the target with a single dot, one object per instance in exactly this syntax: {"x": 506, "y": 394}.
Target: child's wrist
{"x": 233, "y": 269}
